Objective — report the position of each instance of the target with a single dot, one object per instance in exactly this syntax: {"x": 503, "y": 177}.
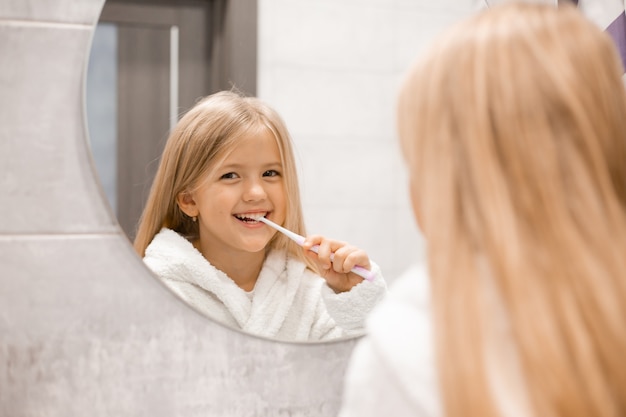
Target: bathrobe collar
{"x": 274, "y": 290}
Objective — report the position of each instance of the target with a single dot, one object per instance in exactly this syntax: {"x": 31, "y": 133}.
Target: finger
{"x": 347, "y": 257}
{"x": 313, "y": 256}
{"x": 339, "y": 259}
{"x": 321, "y": 246}
{"x": 358, "y": 257}
{"x": 311, "y": 241}
{"x": 324, "y": 252}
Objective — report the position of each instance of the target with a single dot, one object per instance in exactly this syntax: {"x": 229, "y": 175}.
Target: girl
{"x": 228, "y": 162}
{"x": 513, "y": 127}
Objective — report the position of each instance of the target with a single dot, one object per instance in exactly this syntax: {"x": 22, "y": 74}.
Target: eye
{"x": 229, "y": 176}
{"x": 271, "y": 173}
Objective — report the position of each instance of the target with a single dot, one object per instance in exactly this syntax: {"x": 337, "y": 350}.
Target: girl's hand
{"x": 336, "y": 272}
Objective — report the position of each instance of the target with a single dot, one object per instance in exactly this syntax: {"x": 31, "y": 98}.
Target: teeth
{"x": 250, "y": 216}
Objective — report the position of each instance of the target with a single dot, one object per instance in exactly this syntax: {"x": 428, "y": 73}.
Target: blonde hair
{"x": 513, "y": 127}
{"x": 203, "y": 136}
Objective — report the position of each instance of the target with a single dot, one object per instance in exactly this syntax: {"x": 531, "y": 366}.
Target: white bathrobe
{"x": 289, "y": 301}
{"x": 393, "y": 371}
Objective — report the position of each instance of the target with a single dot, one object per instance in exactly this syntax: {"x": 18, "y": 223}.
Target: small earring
{"x": 194, "y": 218}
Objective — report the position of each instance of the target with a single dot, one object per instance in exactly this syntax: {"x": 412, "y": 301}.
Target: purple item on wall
{"x": 617, "y": 30}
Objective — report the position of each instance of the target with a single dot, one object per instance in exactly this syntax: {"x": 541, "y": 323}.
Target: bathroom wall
{"x": 86, "y": 330}
{"x": 332, "y": 69}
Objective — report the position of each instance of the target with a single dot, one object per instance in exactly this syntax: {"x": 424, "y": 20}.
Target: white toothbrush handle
{"x": 359, "y": 270}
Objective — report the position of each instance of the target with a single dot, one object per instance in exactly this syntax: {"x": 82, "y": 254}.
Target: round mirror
{"x": 330, "y": 71}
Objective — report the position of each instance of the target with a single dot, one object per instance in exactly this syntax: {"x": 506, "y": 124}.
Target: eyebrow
{"x": 239, "y": 166}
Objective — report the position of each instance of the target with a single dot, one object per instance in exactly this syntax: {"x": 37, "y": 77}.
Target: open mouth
{"x": 250, "y": 217}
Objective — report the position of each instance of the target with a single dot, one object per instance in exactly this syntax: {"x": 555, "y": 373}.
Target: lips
{"x": 250, "y": 217}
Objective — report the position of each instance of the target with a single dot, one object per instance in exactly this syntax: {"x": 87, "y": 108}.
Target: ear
{"x": 187, "y": 204}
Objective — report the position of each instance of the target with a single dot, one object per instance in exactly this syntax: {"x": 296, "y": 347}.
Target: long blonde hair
{"x": 513, "y": 127}
{"x": 204, "y": 135}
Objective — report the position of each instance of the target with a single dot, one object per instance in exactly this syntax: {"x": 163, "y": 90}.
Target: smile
{"x": 250, "y": 217}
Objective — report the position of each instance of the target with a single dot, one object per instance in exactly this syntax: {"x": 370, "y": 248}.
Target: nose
{"x": 254, "y": 190}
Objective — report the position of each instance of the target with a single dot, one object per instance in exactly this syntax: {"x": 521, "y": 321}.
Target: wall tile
{"x": 319, "y": 35}
{"x": 342, "y": 103}
{"x": 416, "y": 29}
{"x": 347, "y": 174}
{"x": 47, "y": 178}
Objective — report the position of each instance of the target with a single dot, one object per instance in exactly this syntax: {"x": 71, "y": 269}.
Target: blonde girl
{"x": 228, "y": 162}
{"x": 513, "y": 127}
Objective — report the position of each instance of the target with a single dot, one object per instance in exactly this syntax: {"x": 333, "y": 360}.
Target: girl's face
{"x": 247, "y": 184}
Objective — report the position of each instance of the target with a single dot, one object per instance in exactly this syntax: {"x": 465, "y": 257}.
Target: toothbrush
{"x": 359, "y": 270}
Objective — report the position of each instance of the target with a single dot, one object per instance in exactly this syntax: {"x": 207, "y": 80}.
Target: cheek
{"x": 218, "y": 202}
{"x": 278, "y": 196}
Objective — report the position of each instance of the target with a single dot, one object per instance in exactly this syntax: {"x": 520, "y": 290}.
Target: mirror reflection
{"x": 335, "y": 91}
{"x": 228, "y": 163}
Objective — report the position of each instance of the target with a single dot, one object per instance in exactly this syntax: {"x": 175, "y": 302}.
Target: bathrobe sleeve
{"x": 350, "y": 309}
{"x": 392, "y": 369}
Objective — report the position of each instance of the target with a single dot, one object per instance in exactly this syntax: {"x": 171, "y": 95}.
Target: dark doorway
{"x": 164, "y": 56}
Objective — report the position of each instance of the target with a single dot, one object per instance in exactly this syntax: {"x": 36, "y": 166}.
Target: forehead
{"x": 256, "y": 145}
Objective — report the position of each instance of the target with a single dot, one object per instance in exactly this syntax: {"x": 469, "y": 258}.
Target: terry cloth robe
{"x": 395, "y": 363}
{"x": 289, "y": 301}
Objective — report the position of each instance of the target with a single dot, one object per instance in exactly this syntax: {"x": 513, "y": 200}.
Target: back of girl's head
{"x": 513, "y": 126}
{"x": 202, "y": 137}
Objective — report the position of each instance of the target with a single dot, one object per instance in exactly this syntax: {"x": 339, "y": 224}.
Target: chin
{"x": 261, "y": 247}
